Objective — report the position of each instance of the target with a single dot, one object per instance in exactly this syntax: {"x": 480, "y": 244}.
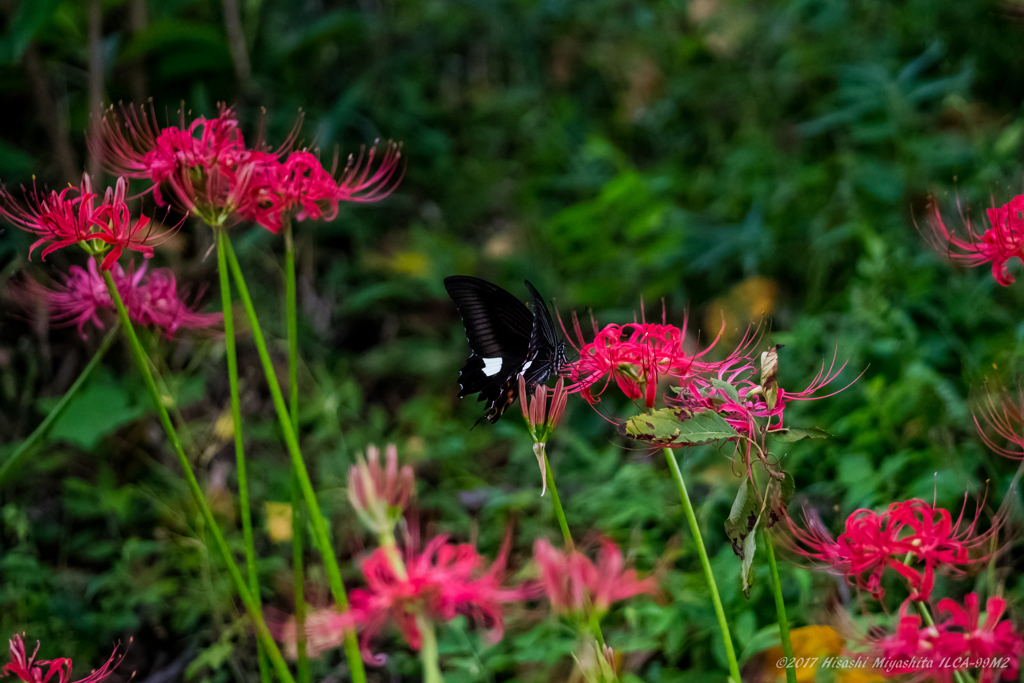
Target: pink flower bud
{"x": 380, "y": 494}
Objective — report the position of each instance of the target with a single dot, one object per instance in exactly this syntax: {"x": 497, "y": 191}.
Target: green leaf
{"x": 743, "y": 517}
{"x": 780, "y": 493}
{"x": 670, "y": 426}
{"x": 103, "y": 406}
{"x": 727, "y": 389}
{"x": 747, "y": 565}
{"x": 796, "y": 434}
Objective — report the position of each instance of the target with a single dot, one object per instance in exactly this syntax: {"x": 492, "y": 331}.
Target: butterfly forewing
{"x": 497, "y": 323}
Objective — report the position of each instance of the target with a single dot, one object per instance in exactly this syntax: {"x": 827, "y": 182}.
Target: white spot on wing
{"x": 491, "y": 366}
{"x": 526, "y": 367}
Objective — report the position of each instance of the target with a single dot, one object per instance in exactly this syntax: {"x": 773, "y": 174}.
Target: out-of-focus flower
{"x": 1005, "y": 417}
{"x": 379, "y": 494}
{"x": 998, "y": 244}
{"x": 540, "y": 421}
{"x": 27, "y": 669}
{"x": 444, "y": 580}
{"x": 911, "y": 537}
{"x": 150, "y": 301}
{"x": 571, "y": 580}
{"x": 71, "y": 216}
{"x": 597, "y": 663}
{"x": 957, "y": 644}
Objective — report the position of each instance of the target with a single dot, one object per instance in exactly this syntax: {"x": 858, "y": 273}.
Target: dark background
{"x": 722, "y": 157}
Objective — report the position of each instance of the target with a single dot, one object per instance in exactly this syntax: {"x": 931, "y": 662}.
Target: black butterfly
{"x": 506, "y": 341}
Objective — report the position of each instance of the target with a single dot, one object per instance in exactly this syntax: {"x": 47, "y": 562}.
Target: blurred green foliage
{"x": 726, "y": 156}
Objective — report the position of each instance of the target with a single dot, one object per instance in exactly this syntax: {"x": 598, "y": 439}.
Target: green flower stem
{"x": 592, "y": 620}
{"x": 780, "y": 607}
{"x": 428, "y": 651}
{"x": 62, "y": 405}
{"x": 291, "y": 315}
{"x": 251, "y": 606}
{"x": 319, "y": 524}
{"x": 730, "y": 652}
{"x": 236, "y": 425}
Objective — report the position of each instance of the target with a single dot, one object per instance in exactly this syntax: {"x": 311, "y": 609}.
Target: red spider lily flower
{"x": 27, "y": 669}
{"x": 997, "y": 245}
{"x": 636, "y": 356}
{"x": 379, "y": 494}
{"x": 150, "y": 301}
{"x": 911, "y": 537}
{"x": 957, "y": 644}
{"x": 539, "y": 421}
{"x": 301, "y": 184}
{"x": 571, "y": 580}
{"x": 443, "y": 581}
{"x": 71, "y": 216}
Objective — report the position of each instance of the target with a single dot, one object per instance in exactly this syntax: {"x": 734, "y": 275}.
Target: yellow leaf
{"x": 279, "y": 521}
{"x": 410, "y": 263}
{"x": 224, "y": 427}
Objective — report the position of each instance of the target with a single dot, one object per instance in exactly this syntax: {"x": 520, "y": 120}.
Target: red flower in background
{"x": 207, "y": 169}
{"x": 71, "y": 216}
{"x": 1003, "y": 241}
{"x": 571, "y": 580}
{"x": 909, "y": 530}
{"x": 27, "y": 669}
{"x": 957, "y": 644}
{"x": 439, "y": 583}
{"x": 150, "y": 301}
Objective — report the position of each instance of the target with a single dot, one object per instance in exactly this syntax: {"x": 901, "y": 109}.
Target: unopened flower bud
{"x": 540, "y": 420}
{"x": 380, "y": 494}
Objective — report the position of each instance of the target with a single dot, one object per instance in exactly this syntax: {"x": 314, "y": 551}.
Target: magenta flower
{"x": 571, "y": 580}
{"x": 71, "y": 216}
{"x": 150, "y": 301}
{"x": 26, "y": 668}
{"x": 912, "y": 537}
{"x": 302, "y": 185}
{"x": 959, "y": 643}
{"x": 1001, "y": 242}
{"x": 1004, "y": 416}
{"x": 443, "y": 581}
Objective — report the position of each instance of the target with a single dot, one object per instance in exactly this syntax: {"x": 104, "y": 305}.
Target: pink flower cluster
{"x": 911, "y": 537}
{"x": 152, "y": 300}
{"x": 442, "y": 581}
{"x": 71, "y": 216}
{"x": 26, "y": 668}
{"x": 998, "y": 244}
{"x": 959, "y": 642}
{"x": 572, "y": 582}
{"x": 206, "y": 168}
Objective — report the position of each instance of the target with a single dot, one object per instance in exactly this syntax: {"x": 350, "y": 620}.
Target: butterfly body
{"x": 506, "y": 340}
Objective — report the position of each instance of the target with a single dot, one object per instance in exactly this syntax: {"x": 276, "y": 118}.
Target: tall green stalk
{"x": 251, "y": 606}
{"x": 291, "y": 313}
{"x": 691, "y": 518}
{"x": 62, "y": 405}
{"x": 592, "y": 621}
{"x": 236, "y": 424}
{"x": 319, "y": 524}
{"x": 780, "y": 607}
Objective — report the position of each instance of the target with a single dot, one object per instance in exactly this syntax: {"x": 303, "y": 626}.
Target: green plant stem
{"x": 62, "y": 405}
{"x": 592, "y": 620}
{"x": 319, "y": 524}
{"x": 691, "y": 518}
{"x": 251, "y": 606}
{"x": 428, "y": 651}
{"x": 291, "y": 315}
{"x": 236, "y": 425}
{"x": 780, "y": 607}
